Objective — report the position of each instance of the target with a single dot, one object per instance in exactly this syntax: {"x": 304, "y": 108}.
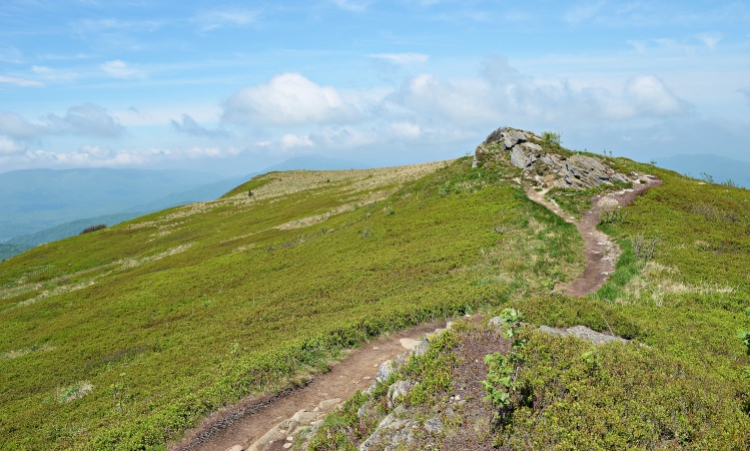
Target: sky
{"x": 233, "y": 87}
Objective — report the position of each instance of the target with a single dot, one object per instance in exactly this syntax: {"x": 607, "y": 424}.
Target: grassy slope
{"x": 121, "y": 338}
{"x": 683, "y": 390}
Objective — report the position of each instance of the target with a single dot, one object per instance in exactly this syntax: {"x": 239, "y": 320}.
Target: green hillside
{"x": 681, "y": 384}
{"x": 122, "y": 338}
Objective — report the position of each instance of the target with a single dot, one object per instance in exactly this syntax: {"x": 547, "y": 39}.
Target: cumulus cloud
{"x": 501, "y": 93}
{"x": 288, "y": 99}
{"x": 650, "y": 97}
{"x": 406, "y": 130}
{"x": 402, "y": 58}
{"x": 119, "y": 69}
{"x": 217, "y": 18}
{"x": 190, "y": 127}
{"x": 82, "y": 120}
{"x": 9, "y": 146}
{"x": 290, "y": 141}
{"x": 86, "y": 120}
{"x": 13, "y": 125}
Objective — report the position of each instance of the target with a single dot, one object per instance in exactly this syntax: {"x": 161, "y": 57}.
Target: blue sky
{"x": 235, "y": 87}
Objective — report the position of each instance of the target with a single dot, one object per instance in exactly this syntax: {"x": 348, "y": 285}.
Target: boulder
{"x": 583, "y": 333}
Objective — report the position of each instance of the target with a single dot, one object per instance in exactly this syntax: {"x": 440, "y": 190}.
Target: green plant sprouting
{"x": 501, "y": 383}
{"x": 550, "y": 137}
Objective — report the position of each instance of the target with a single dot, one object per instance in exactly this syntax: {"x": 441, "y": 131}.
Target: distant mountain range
{"x": 720, "y": 169}
{"x": 39, "y": 206}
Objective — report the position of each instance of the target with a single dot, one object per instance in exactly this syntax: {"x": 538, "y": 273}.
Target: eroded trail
{"x": 250, "y": 420}
{"x": 600, "y": 251}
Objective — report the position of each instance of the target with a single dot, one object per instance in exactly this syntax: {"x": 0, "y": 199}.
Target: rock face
{"x": 525, "y": 152}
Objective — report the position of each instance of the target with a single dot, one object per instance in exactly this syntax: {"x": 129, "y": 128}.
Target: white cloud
{"x": 582, "y": 12}
{"x": 85, "y": 120}
{"x": 290, "y": 141}
{"x": 20, "y": 81}
{"x": 402, "y": 58}
{"x": 15, "y": 126}
{"x": 189, "y": 126}
{"x": 119, "y": 69}
{"x": 502, "y": 94}
{"x": 82, "y": 120}
{"x": 352, "y": 5}
{"x": 201, "y": 152}
{"x": 650, "y": 97}
{"x": 288, "y": 99}
{"x": 10, "y": 147}
{"x": 406, "y": 130}
{"x": 92, "y": 156}
{"x": 710, "y": 39}
{"x": 217, "y": 18}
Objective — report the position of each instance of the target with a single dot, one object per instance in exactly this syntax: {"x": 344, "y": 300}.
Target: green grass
{"x": 685, "y": 388}
{"x": 680, "y": 384}
{"x": 174, "y": 315}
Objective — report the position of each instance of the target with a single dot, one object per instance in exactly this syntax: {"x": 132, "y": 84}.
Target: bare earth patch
{"x": 246, "y": 422}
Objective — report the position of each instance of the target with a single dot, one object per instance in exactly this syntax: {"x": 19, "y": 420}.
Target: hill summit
{"x": 545, "y": 160}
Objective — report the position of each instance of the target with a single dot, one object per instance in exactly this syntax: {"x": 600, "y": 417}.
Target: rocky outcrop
{"x": 529, "y": 152}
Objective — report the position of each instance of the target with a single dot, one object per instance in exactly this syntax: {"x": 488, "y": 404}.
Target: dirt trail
{"x": 245, "y": 423}
{"x": 601, "y": 252}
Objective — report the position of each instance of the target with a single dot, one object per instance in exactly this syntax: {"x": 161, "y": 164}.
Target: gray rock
{"x": 497, "y": 322}
{"x": 390, "y": 433}
{"x": 397, "y": 391}
{"x": 420, "y": 349}
{"x": 495, "y": 136}
{"x": 576, "y": 171}
{"x": 553, "y": 331}
{"x": 385, "y": 370}
{"x": 236, "y": 448}
{"x": 433, "y": 425}
{"x": 520, "y": 159}
{"x": 583, "y": 333}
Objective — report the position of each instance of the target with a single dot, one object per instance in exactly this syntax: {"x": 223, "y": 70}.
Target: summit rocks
{"x": 545, "y": 160}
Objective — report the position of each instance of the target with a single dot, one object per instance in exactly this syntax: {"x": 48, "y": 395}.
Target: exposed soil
{"x": 247, "y": 421}
{"x": 474, "y": 434}
{"x": 601, "y": 252}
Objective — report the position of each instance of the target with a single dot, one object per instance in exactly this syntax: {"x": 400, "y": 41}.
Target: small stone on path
{"x": 408, "y": 343}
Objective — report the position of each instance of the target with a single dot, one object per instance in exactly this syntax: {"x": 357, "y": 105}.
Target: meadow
{"x": 680, "y": 294}
{"x": 124, "y": 337}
